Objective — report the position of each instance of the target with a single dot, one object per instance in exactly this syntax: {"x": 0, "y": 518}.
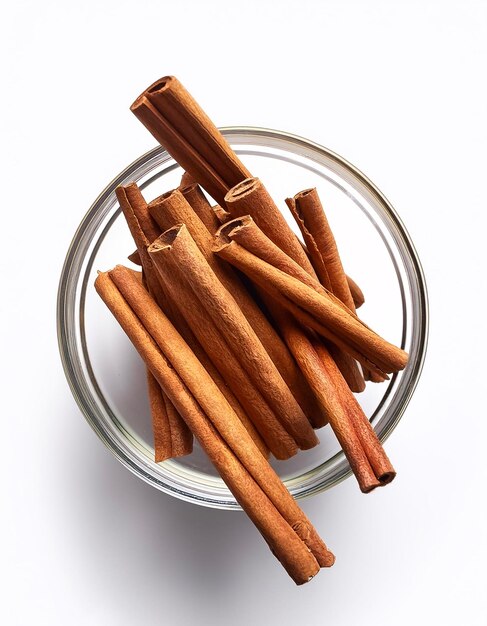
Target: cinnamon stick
{"x": 246, "y": 232}
{"x": 336, "y": 322}
{"x": 224, "y": 216}
{"x": 308, "y": 212}
{"x": 179, "y": 250}
{"x": 378, "y": 459}
{"x": 284, "y": 541}
{"x": 175, "y": 119}
{"x": 172, "y": 208}
{"x": 265, "y": 421}
{"x": 172, "y": 438}
{"x": 196, "y": 378}
{"x": 136, "y": 212}
{"x": 161, "y": 429}
{"x": 250, "y": 197}
{"x": 323, "y": 385}
{"x": 354, "y": 432}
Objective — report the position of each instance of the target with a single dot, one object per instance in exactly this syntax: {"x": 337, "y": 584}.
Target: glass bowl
{"x": 107, "y": 377}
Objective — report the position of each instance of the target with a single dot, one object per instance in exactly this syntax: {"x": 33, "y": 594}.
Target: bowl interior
{"x": 107, "y": 376}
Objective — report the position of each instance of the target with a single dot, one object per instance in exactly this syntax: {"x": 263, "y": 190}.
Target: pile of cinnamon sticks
{"x": 250, "y": 337}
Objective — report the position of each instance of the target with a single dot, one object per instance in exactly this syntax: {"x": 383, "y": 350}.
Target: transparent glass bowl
{"x": 107, "y": 377}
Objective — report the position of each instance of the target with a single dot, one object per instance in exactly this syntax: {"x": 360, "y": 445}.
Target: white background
{"x": 399, "y": 89}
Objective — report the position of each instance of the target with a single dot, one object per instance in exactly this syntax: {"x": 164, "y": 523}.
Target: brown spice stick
{"x": 172, "y": 208}
{"x": 380, "y": 463}
{"x": 177, "y": 147}
{"x": 175, "y": 119}
{"x": 132, "y": 196}
{"x": 183, "y": 112}
{"x": 179, "y": 250}
{"x": 161, "y": 429}
{"x": 224, "y": 216}
{"x": 136, "y": 213}
{"x": 250, "y": 197}
{"x": 245, "y": 231}
{"x": 265, "y": 421}
{"x": 172, "y": 438}
{"x": 283, "y": 541}
{"x": 308, "y": 212}
{"x": 342, "y": 327}
{"x": 311, "y": 363}
{"x": 358, "y": 439}
{"x": 196, "y": 378}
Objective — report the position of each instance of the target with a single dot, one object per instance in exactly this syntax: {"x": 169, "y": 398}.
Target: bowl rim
{"x": 106, "y": 193}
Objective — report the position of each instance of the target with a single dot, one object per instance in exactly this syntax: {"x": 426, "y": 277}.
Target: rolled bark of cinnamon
{"x": 136, "y": 213}
{"x": 279, "y": 442}
{"x": 224, "y": 216}
{"x": 250, "y": 197}
{"x": 376, "y": 455}
{"x": 176, "y": 120}
{"x": 172, "y": 208}
{"x": 283, "y": 540}
{"x": 246, "y": 233}
{"x": 180, "y": 251}
{"x": 311, "y": 362}
{"x": 172, "y": 438}
{"x": 308, "y": 213}
{"x": 353, "y": 430}
{"x": 336, "y": 322}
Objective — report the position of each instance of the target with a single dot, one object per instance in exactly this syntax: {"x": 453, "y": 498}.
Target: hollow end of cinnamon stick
{"x": 242, "y": 189}
{"x": 304, "y": 193}
{"x": 386, "y": 478}
{"x": 223, "y": 235}
{"x": 166, "y": 239}
{"x": 158, "y": 85}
